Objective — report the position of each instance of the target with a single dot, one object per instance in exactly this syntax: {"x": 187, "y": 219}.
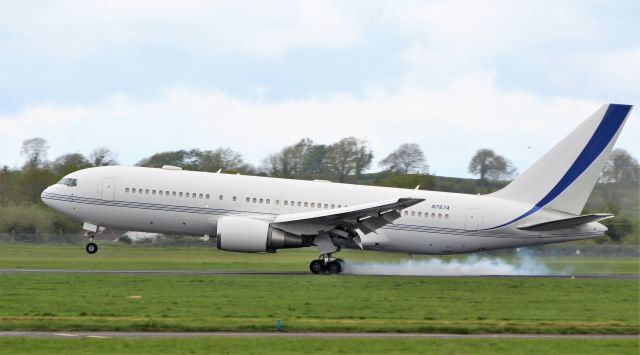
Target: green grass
{"x": 266, "y": 345}
{"x": 318, "y": 303}
{"x": 203, "y": 258}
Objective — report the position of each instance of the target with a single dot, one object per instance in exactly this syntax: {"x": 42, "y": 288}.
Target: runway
{"x": 126, "y": 334}
{"x": 296, "y": 273}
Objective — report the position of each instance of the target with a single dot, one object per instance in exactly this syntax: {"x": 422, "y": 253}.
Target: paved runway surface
{"x": 303, "y": 335}
{"x": 257, "y": 273}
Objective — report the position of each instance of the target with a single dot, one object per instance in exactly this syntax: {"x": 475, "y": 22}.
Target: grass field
{"x": 65, "y": 302}
{"x": 315, "y": 346}
{"x": 305, "y": 303}
{"x": 203, "y": 258}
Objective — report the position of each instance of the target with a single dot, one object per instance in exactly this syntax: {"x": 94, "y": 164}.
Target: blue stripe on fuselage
{"x": 609, "y": 125}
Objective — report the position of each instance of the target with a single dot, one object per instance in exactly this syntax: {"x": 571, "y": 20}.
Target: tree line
{"x": 346, "y": 160}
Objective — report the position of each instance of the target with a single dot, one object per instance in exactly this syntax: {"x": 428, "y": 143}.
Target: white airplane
{"x": 261, "y": 214}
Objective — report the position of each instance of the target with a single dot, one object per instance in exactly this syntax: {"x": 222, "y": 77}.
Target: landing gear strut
{"x": 92, "y": 247}
{"x": 325, "y": 265}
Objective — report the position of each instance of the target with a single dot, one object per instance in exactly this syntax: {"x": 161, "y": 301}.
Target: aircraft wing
{"x": 364, "y": 218}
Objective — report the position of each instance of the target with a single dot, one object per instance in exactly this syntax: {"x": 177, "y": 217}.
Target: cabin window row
{"x": 153, "y": 192}
{"x": 312, "y": 204}
{"x": 292, "y": 203}
{"x": 426, "y": 214}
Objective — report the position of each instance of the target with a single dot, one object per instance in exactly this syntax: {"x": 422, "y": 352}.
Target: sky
{"x": 146, "y": 76}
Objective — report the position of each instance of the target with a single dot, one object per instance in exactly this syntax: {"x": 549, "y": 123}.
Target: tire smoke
{"x": 469, "y": 266}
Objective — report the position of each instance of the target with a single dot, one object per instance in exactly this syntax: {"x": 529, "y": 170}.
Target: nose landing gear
{"x": 91, "y": 247}
{"x": 325, "y": 265}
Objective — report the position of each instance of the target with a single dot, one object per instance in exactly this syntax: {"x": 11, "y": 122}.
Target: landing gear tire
{"x": 91, "y": 248}
{"x": 317, "y": 267}
{"x": 334, "y": 267}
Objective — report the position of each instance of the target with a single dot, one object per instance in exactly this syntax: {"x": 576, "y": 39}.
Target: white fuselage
{"x": 187, "y": 202}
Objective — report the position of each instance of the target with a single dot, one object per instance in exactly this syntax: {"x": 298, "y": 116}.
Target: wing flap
{"x": 564, "y": 222}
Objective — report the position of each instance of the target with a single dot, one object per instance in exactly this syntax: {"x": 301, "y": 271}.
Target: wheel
{"x": 92, "y": 248}
{"x": 316, "y": 267}
{"x": 334, "y": 267}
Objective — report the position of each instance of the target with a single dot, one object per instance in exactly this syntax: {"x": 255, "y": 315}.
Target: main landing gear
{"x": 325, "y": 265}
{"x": 91, "y": 247}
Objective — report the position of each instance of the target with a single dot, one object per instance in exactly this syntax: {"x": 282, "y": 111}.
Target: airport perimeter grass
{"x": 317, "y": 303}
{"x": 123, "y": 257}
{"x": 35, "y": 301}
{"x": 264, "y": 345}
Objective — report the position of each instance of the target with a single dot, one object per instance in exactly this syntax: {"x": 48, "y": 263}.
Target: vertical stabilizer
{"x": 565, "y": 176}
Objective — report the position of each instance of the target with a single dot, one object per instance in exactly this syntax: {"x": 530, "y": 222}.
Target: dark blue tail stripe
{"x": 609, "y": 125}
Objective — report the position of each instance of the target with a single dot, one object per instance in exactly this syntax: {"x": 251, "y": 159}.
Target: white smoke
{"x": 469, "y": 266}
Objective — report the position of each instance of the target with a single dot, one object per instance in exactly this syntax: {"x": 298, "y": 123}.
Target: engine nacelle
{"x": 255, "y": 236}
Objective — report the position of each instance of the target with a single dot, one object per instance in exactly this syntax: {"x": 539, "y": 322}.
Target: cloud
{"x": 76, "y": 30}
{"x": 449, "y": 124}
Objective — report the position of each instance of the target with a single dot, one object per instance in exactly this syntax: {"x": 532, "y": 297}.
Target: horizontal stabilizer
{"x": 564, "y": 223}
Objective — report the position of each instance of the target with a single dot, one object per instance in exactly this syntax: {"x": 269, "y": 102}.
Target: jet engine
{"x": 255, "y": 236}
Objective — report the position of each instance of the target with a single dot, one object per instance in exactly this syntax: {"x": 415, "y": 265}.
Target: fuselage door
{"x": 471, "y": 223}
{"x": 108, "y": 189}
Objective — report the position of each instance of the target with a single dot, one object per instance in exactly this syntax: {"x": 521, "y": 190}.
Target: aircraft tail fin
{"x": 564, "y": 177}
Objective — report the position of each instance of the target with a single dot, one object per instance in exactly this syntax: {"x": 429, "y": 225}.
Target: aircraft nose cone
{"x": 43, "y": 195}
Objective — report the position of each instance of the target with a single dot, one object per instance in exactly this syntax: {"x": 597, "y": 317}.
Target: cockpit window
{"x": 68, "y": 182}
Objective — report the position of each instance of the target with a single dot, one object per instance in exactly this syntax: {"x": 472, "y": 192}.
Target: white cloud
{"x": 75, "y": 30}
{"x": 449, "y": 124}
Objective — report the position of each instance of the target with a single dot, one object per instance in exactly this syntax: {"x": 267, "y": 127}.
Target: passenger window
{"x": 180, "y": 194}
{"x": 286, "y": 203}
{"x": 313, "y": 204}
{"x": 268, "y": 201}
{"x": 234, "y": 198}
{"x": 255, "y": 200}
{"x": 406, "y": 213}
{"x": 333, "y": 206}
{"x": 339, "y": 206}
{"x": 419, "y": 214}
{"x": 133, "y": 190}
{"x": 207, "y": 196}
{"x": 160, "y": 192}
{"x": 319, "y": 205}
{"x": 326, "y": 206}
{"x": 260, "y": 201}
{"x": 194, "y": 195}
{"x": 186, "y": 194}
{"x": 220, "y": 197}
{"x": 201, "y": 196}
{"x": 439, "y": 215}
{"x": 153, "y": 192}
{"x": 306, "y": 204}
{"x": 413, "y": 213}
{"x": 446, "y": 216}
{"x": 248, "y": 200}
{"x": 299, "y": 203}
{"x": 147, "y": 191}
{"x": 278, "y": 202}
{"x": 126, "y": 189}
{"x": 433, "y": 215}
{"x": 173, "y": 194}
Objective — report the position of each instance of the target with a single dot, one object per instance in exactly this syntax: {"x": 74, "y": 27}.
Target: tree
{"x": 620, "y": 167}
{"x": 103, "y": 156}
{"x": 407, "y": 158}
{"x": 224, "y": 159}
{"x": 348, "y": 155}
{"x": 35, "y": 150}
{"x": 180, "y": 158}
{"x": 68, "y": 163}
{"x": 487, "y": 164}
{"x": 313, "y": 159}
{"x": 290, "y": 162}
{"x": 409, "y": 181}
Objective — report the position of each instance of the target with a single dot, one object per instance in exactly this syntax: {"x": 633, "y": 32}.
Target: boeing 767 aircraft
{"x": 261, "y": 214}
